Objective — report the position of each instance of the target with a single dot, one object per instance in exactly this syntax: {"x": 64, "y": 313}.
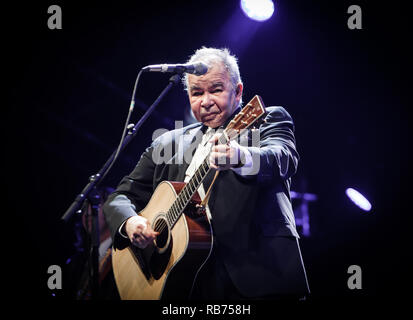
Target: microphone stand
{"x": 90, "y": 193}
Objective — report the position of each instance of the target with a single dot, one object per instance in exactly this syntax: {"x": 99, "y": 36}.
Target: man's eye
{"x": 196, "y": 93}
{"x": 217, "y": 90}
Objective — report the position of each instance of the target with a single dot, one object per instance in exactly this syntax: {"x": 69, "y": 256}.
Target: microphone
{"x": 197, "y": 68}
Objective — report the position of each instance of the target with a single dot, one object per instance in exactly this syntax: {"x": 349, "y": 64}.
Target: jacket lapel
{"x": 186, "y": 146}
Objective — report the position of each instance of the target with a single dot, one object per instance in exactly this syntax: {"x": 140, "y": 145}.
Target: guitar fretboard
{"x": 191, "y": 187}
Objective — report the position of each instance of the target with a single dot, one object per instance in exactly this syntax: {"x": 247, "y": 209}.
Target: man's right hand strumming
{"x": 139, "y": 231}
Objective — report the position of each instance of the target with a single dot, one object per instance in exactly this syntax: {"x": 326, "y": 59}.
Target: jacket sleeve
{"x": 132, "y": 194}
{"x": 276, "y": 156}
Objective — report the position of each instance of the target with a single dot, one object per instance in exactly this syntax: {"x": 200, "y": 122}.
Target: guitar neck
{"x": 191, "y": 187}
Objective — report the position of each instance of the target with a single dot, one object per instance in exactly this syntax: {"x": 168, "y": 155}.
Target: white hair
{"x": 214, "y": 56}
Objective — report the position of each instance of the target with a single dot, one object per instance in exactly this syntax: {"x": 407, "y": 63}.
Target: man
{"x": 255, "y": 251}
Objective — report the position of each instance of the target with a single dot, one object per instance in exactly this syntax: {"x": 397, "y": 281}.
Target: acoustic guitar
{"x": 167, "y": 268}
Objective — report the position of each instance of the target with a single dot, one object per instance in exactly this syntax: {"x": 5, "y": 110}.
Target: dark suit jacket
{"x": 252, "y": 216}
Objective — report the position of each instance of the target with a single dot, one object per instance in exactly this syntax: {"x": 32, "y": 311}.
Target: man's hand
{"x": 224, "y": 156}
{"x": 139, "y": 231}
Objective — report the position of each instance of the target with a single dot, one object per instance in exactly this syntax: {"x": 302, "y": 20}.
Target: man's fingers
{"x": 219, "y": 158}
{"x": 142, "y": 242}
{"x": 148, "y": 236}
{"x": 220, "y": 148}
{"x": 214, "y": 138}
{"x": 149, "y": 233}
{"x": 141, "y": 227}
{"x": 149, "y": 229}
{"x": 143, "y": 235}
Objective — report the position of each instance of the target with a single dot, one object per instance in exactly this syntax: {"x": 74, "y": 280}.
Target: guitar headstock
{"x": 251, "y": 115}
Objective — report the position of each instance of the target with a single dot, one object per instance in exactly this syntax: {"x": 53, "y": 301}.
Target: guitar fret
{"x": 201, "y": 167}
{"x": 175, "y": 211}
{"x": 182, "y": 202}
{"x": 205, "y": 167}
{"x": 188, "y": 190}
{"x": 178, "y": 209}
{"x": 183, "y": 195}
{"x": 187, "y": 194}
{"x": 178, "y": 205}
{"x": 196, "y": 178}
{"x": 169, "y": 216}
{"x": 189, "y": 184}
{"x": 181, "y": 205}
{"x": 200, "y": 175}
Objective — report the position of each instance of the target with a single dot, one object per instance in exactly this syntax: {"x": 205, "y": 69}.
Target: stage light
{"x": 259, "y": 10}
{"x": 358, "y": 199}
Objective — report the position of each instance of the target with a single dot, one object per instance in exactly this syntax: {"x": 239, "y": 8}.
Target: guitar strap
{"x": 204, "y": 202}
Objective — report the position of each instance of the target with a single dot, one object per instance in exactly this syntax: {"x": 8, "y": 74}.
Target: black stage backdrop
{"x": 68, "y": 93}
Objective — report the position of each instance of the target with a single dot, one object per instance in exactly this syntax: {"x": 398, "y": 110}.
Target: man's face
{"x": 212, "y": 96}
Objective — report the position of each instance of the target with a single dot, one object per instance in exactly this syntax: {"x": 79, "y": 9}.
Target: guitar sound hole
{"x": 163, "y": 239}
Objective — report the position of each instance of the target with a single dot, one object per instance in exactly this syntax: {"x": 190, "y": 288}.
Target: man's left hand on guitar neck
{"x": 228, "y": 156}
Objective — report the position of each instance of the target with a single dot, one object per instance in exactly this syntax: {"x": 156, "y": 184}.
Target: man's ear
{"x": 238, "y": 90}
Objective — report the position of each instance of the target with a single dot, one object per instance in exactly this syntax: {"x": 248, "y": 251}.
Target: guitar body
{"x": 154, "y": 273}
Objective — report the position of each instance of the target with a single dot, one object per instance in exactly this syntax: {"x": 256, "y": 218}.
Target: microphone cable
{"x": 126, "y": 126}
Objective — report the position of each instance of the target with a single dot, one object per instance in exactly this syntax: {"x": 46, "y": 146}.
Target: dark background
{"x": 68, "y": 92}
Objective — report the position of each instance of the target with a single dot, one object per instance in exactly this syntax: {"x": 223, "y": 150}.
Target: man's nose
{"x": 207, "y": 101}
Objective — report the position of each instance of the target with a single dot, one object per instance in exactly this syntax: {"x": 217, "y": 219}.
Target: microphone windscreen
{"x": 200, "y": 68}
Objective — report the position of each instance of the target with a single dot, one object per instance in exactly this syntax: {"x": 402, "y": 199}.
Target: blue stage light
{"x": 358, "y": 199}
{"x": 259, "y": 10}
